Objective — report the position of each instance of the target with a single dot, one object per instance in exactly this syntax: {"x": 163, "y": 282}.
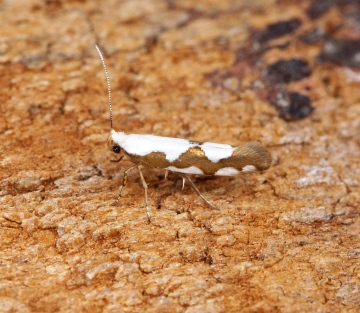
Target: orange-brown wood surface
{"x": 286, "y": 73}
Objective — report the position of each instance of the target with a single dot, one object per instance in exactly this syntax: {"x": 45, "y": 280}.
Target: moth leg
{"x": 183, "y": 182}
{"x": 146, "y": 194}
{"x": 124, "y": 181}
{"x": 118, "y": 160}
{"x": 184, "y": 176}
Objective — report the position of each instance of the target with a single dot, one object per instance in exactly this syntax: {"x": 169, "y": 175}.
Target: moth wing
{"x": 253, "y": 154}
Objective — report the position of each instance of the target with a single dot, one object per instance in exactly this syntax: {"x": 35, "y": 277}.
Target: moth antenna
{"x": 108, "y": 84}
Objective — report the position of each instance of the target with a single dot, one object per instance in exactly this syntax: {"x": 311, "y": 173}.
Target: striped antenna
{"x": 108, "y": 84}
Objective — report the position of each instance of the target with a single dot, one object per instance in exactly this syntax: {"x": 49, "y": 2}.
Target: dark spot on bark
{"x": 285, "y": 71}
{"x": 318, "y": 7}
{"x": 312, "y": 36}
{"x": 292, "y": 105}
{"x": 300, "y": 106}
{"x": 279, "y": 29}
{"x": 343, "y": 51}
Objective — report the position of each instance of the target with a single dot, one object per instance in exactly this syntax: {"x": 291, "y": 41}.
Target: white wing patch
{"x": 227, "y": 171}
{"x": 188, "y": 170}
{"x": 249, "y": 168}
{"x": 217, "y": 151}
{"x": 142, "y": 145}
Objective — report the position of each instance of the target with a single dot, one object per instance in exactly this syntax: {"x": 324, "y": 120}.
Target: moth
{"x": 182, "y": 156}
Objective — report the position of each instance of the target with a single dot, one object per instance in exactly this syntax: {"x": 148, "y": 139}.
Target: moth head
{"x": 114, "y": 146}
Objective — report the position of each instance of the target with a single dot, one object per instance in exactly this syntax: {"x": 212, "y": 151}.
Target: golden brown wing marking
{"x": 252, "y": 153}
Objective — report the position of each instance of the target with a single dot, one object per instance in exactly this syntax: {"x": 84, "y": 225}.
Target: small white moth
{"x": 183, "y": 156}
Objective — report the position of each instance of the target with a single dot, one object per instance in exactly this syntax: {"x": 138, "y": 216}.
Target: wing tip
{"x": 256, "y": 154}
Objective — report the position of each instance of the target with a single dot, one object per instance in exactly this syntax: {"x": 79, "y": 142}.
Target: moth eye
{"x": 116, "y": 149}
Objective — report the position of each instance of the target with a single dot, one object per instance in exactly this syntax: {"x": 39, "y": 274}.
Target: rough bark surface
{"x": 286, "y": 73}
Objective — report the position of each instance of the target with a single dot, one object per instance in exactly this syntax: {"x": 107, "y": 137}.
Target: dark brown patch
{"x": 312, "y": 36}
{"x": 290, "y": 105}
{"x": 286, "y": 71}
{"x": 319, "y": 7}
{"x": 343, "y": 51}
{"x": 279, "y": 29}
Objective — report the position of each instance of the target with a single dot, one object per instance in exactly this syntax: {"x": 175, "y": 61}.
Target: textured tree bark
{"x": 283, "y": 73}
